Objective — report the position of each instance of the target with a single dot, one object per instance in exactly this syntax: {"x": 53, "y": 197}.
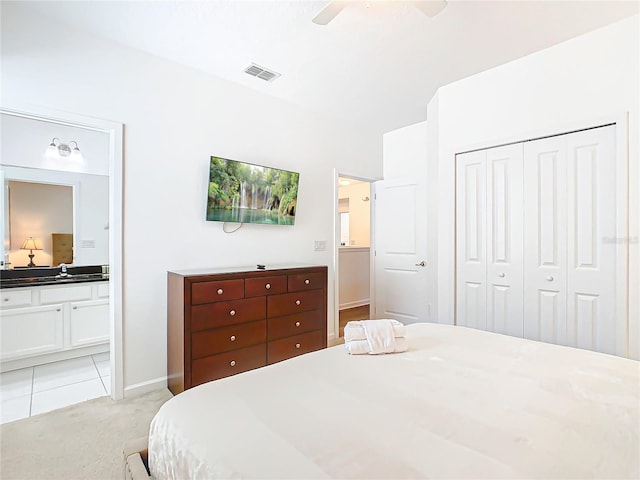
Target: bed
{"x": 461, "y": 403}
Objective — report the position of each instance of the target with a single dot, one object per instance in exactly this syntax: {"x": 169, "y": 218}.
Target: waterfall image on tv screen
{"x": 245, "y": 193}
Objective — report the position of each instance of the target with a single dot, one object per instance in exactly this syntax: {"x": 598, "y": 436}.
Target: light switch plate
{"x": 320, "y": 245}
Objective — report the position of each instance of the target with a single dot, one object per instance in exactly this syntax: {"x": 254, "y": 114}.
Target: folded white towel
{"x": 354, "y": 330}
{"x": 361, "y": 347}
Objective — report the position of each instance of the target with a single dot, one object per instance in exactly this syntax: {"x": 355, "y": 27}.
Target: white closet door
{"x": 545, "y": 240}
{"x": 504, "y": 240}
{"x": 591, "y": 272}
{"x": 569, "y": 209}
{"x": 471, "y": 261}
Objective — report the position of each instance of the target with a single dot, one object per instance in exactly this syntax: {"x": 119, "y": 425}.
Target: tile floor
{"x": 34, "y": 390}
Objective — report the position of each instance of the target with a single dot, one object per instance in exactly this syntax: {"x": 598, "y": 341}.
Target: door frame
{"x": 621, "y": 120}
{"x": 115, "y": 132}
{"x": 337, "y": 173}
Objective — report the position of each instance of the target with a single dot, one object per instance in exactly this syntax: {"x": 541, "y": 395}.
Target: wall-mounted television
{"x": 247, "y": 193}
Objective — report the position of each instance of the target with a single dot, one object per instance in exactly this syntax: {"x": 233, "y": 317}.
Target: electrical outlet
{"x": 320, "y": 245}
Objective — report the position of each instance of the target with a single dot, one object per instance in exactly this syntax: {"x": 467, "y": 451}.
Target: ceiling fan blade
{"x": 430, "y": 7}
{"x": 329, "y": 12}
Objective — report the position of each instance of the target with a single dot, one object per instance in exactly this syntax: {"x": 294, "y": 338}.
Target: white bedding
{"x": 461, "y": 403}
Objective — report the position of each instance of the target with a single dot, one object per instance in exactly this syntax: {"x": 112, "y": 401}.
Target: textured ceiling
{"x": 377, "y": 63}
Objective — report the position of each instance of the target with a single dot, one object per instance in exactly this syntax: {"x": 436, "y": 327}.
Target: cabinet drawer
{"x": 222, "y": 314}
{"x": 103, "y": 290}
{"x": 295, "y": 324}
{"x": 289, "y": 303}
{"x": 227, "y": 364}
{"x": 289, "y": 347}
{"x": 224, "y": 339}
{"x": 305, "y": 281}
{"x": 220, "y": 291}
{"x": 65, "y": 294}
{"x": 16, "y": 298}
{"x": 255, "y": 287}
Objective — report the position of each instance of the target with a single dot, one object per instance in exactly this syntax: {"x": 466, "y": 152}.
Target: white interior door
{"x": 591, "y": 218}
{"x": 489, "y": 241}
{"x": 504, "y": 240}
{"x": 545, "y": 239}
{"x": 400, "y": 251}
{"x": 471, "y": 260}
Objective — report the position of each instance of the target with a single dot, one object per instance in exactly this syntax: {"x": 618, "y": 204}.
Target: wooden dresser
{"x": 228, "y": 321}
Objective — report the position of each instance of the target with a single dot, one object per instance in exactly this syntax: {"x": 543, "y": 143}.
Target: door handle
{"x": 421, "y": 264}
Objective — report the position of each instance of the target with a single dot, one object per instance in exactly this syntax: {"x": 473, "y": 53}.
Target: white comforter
{"x": 461, "y": 403}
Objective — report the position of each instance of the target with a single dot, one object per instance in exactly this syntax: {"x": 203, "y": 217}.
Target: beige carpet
{"x": 82, "y": 441}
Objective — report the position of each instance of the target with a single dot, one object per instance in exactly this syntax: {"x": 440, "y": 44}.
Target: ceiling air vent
{"x": 260, "y": 72}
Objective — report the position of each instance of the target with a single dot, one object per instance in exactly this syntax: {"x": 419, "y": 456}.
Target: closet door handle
{"x": 421, "y": 264}
{"x": 549, "y": 278}
{"x": 501, "y": 274}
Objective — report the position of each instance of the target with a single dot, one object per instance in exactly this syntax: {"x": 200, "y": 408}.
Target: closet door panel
{"x": 504, "y": 240}
{"x": 545, "y": 239}
{"x": 471, "y": 262}
{"x": 591, "y": 269}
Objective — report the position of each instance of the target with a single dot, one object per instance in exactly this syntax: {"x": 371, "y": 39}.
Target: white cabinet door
{"x": 89, "y": 323}
{"x": 401, "y": 247}
{"x": 489, "y": 240}
{"x": 31, "y": 331}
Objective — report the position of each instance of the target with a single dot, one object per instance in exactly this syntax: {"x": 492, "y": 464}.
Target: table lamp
{"x": 31, "y": 245}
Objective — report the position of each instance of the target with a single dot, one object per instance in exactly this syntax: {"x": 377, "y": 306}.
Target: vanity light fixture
{"x": 31, "y": 244}
{"x": 71, "y": 150}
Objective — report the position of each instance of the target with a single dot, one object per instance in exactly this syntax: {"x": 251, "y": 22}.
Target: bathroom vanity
{"x": 47, "y": 316}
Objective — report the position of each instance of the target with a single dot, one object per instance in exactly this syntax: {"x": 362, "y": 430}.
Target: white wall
{"x": 574, "y": 83}
{"x": 175, "y": 118}
{"x": 354, "y": 266}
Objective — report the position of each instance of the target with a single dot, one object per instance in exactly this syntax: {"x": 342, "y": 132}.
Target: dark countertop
{"x": 35, "y": 277}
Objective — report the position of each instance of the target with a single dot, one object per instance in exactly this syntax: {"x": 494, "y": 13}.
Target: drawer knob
{"x": 232, "y": 313}
{"x": 220, "y": 291}
{"x": 233, "y": 338}
{"x": 297, "y": 345}
{"x": 267, "y": 286}
{"x": 75, "y": 307}
{"x": 232, "y": 363}
{"x": 58, "y": 309}
{"x": 6, "y": 299}
{"x": 307, "y": 281}
{"x": 297, "y": 324}
{"x": 297, "y": 302}
{"x": 549, "y": 278}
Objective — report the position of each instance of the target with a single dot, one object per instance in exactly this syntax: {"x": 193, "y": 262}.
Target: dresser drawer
{"x": 17, "y": 297}
{"x": 289, "y": 303}
{"x": 217, "y": 291}
{"x": 211, "y": 342}
{"x": 305, "y": 281}
{"x": 280, "y": 327}
{"x": 222, "y": 314}
{"x": 289, "y": 347}
{"x": 255, "y": 287}
{"x": 227, "y": 364}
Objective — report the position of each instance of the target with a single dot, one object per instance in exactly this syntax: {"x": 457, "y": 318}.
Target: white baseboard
{"x": 357, "y": 303}
{"x": 144, "y": 387}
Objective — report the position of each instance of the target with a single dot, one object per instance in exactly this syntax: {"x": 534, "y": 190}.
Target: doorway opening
{"x": 353, "y": 250}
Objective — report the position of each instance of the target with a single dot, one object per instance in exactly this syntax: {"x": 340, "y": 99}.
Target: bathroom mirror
{"x": 66, "y": 213}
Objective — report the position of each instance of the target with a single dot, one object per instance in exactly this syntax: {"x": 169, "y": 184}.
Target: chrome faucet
{"x": 63, "y": 270}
